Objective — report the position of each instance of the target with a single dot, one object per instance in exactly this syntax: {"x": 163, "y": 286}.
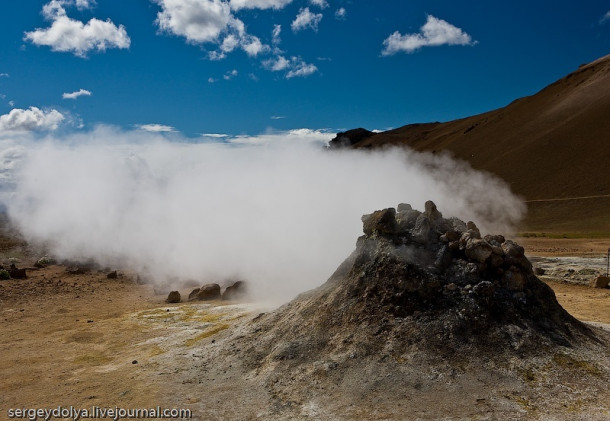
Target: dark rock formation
{"x": 112, "y": 275}
{"x": 193, "y": 294}
{"x": 600, "y": 282}
{"x": 17, "y": 273}
{"x": 419, "y": 281}
{"x": 235, "y": 291}
{"x": 349, "y": 138}
{"x": 173, "y": 297}
{"x": 209, "y": 292}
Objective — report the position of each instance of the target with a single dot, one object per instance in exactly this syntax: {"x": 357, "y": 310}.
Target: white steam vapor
{"x": 281, "y": 214}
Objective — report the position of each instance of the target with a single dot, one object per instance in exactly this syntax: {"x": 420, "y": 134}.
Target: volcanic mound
{"x": 419, "y": 279}
{"x": 423, "y": 309}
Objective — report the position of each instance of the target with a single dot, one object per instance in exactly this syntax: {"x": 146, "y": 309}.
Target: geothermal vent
{"x": 418, "y": 281}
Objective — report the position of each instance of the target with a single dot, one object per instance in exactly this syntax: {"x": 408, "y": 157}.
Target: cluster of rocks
{"x": 211, "y": 292}
{"x": 451, "y": 247}
{"x": 13, "y": 272}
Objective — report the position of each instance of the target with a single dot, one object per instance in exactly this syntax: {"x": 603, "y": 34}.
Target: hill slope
{"x": 551, "y": 145}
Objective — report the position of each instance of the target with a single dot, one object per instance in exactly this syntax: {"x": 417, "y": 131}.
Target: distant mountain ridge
{"x": 553, "y": 148}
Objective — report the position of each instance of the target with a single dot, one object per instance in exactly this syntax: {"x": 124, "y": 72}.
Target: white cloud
{"x": 277, "y": 117}
{"x": 304, "y": 136}
{"x": 277, "y": 30}
{"x": 322, "y": 4}
{"x": 606, "y": 17}
{"x": 214, "y": 135}
{"x": 156, "y": 128}
{"x": 258, "y": 4}
{"x": 211, "y": 80}
{"x": 277, "y": 64}
{"x": 230, "y": 75}
{"x": 199, "y": 21}
{"x": 70, "y": 35}
{"x": 85, "y": 4}
{"x": 76, "y": 94}
{"x": 301, "y": 69}
{"x": 32, "y": 119}
{"x": 435, "y": 32}
{"x": 295, "y": 67}
{"x": 340, "y": 13}
{"x": 306, "y": 19}
{"x": 253, "y": 46}
{"x": 4, "y": 75}
{"x": 11, "y": 103}
{"x": 206, "y": 21}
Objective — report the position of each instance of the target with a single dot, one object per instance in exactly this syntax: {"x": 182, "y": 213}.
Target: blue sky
{"x": 215, "y": 66}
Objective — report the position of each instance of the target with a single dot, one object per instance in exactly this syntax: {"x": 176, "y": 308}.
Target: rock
{"x": 112, "y": 275}
{"x": 235, "y": 291}
{"x": 495, "y": 240}
{"x": 403, "y": 207}
{"x": 514, "y": 280}
{"x": 478, "y": 250}
{"x": 457, "y": 224}
{"x": 209, "y": 292}
{"x": 17, "y": 273}
{"x": 539, "y": 271}
{"x": 193, "y": 294}
{"x": 44, "y": 261}
{"x": 432, "y": 212}
{"x": 381, "y": 222}
{"x": 484, "y": 289}
{"x": 512, "y": 249}
{"x": 451, "y": 287}
{"x": 600, "y": 282}
{"x": 422, "y": 231}
{"x": 173, "y": 297}
{"x": 473, "y": 230}
{"x": 406, "y": 219}
{"x": 349, "y": 138}
{"x": 77, "y": 270}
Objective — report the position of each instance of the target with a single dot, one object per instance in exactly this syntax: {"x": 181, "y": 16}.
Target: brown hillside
{"x": 551, "y": 145}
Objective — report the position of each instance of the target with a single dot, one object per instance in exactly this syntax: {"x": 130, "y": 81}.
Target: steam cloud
{"x": 282, "y": 214}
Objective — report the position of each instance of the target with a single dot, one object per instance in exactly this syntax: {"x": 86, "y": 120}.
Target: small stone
{"x": 539, "y": 271}
{"x": 451, "y": 287}
{"x": 600, "y": 282}
{"x": 173, "y": 297}
{"x": 134, "y": 362}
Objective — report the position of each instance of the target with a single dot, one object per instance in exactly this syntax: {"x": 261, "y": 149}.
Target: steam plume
{"x": 282, "y": 214}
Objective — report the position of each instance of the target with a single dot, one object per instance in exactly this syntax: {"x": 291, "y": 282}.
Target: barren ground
{"x": 72, "y": 340}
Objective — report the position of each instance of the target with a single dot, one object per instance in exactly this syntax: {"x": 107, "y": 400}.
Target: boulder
{"x": 478, "y": 250}
{"x": 381, "y": 222}
{"x": 112, "y": 275}
{"x": 17, "y": 273}
{"x": 209, "y": 292}
{"x": 173, "y": 297}
{"x": 193, "y": 294}
{"x": 600, "y": 282}
{"x": 235, "y": 291}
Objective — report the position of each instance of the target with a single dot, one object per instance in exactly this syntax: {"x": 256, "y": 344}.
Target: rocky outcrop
{"x": 349, "y": 138}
